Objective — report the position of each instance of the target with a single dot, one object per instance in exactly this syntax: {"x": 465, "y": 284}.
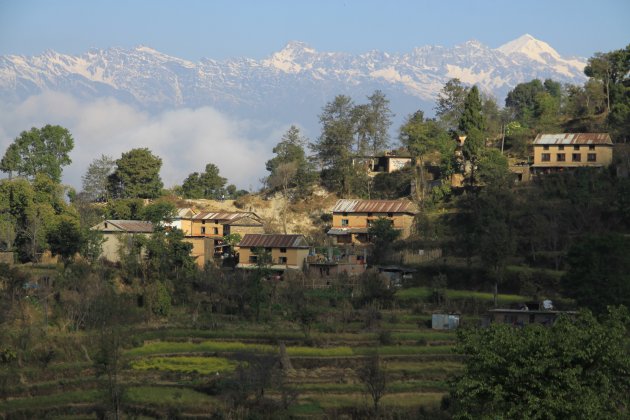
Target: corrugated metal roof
{"x": 373, "y": 206}
{"x": 135, "y": 226}
{"x": 346, "y": 231}
{"x": 252, "y": 240}
{"x": 573, "y": 139}
{"x": 226, "y": 216}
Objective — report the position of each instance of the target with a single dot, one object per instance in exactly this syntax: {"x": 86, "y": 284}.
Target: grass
{"x": 389, "y": 400}
{"x": 398, "y": 386}
{"x": 201, "y": 365}
{"x": 169, "y": 396}
{"x": 47, "y": 401}
{"x": 166, "y": 347}
{"x": 422, "y": 293}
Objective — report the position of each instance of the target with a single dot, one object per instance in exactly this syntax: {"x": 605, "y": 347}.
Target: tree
{"x": 372, "y": 122}
{"x": 599, "y": 271}
{"x": 575, "y": 368}
{"x": 382, "y": 234}
{"x": 334, "y": 146}
{"x": 373, "y": 376}
{"x": 522, "y": 100}
{"x": 65, "y": 240}
{"x": 472, "y": 117}
{"x": 158, "y": 212}
{"x": 290, "y": 154}
{"x": 137, "y": 175}
{"x": 282, "y": 178}
{"x": 422, "y": 137}
{"x": 40, "y": 150}
{"x": 450, "y": 103}
{"x": 95, "y": 179}
{"x": 473, "y": 149}
{"x": 208, "y": 184}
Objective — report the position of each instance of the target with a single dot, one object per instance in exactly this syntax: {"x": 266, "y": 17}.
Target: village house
{"x": 557, "y": 152}
{"x": 120, "y": 233}
{"x": 205, "y": 230}
{"x": 286, "y": 251}
{"x": 387, "y": 163}
{"x": 353, "y": 218}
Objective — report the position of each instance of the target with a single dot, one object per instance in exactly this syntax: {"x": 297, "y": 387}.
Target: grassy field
{"x": 422, "y": 293}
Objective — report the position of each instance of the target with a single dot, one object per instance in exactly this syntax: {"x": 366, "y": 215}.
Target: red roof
{"x": 573, "y": 139}
{"x": 373, "y": 206}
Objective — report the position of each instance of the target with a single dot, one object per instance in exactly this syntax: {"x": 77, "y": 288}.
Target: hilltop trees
{"x": 96, "y": 178}
{"x": 137, "y": 175}
{"x": 39, "y": 150}
{"x": 348, "y": 132}
{"x": 208, "y": 184}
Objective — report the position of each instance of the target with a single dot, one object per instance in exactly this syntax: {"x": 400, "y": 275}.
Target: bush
{"x": 385, "y": 338}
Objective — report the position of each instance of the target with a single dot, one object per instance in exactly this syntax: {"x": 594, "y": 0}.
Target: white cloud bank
{"x": 186, "y": 139}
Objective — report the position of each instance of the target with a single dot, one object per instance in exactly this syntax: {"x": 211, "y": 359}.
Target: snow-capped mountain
{"x": 288, "y": 84}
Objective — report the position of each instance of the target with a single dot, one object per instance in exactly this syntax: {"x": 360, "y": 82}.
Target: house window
{"x": 576, "y": 147}
{"x": 560, "y": 157}
{"x": 369, "y": 214}
{"x": 203, "y": 230}
{"x": 591, "y": 147}
{"x": 253, "y": 259}
{"x": 215, "y": 231}
{"x": 268, "y": 250}
{"x": 282, "y": 260}
{"x": 560, "y": 147}
{"x": 390, "y": 214}
{"x": 546, "y": 157}
{"x": 203, "y": 222}
{"x": 370, "y": 222}
{"x": 344, "y": 222}
{"x": 591, "y": 157}
{"x": 283, "y": 250}
{"x": 216, "y": 222}
{"x": 576, "y": 157}
{"x": 546, "y": 147}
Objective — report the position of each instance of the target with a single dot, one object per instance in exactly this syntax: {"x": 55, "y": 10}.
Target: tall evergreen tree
{"x": 137, "y": 175}
{"x": 472, "y": 116}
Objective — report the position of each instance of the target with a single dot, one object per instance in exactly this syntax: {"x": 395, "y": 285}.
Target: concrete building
{"x": 119, "y": 234}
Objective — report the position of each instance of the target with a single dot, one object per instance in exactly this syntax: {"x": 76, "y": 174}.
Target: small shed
{"x": 445, "y": 321}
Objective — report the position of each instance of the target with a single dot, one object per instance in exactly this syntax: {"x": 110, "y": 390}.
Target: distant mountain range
{"x": 291, "y": 85}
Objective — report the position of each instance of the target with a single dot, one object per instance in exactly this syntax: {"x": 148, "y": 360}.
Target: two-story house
{"x": 556, "y": 152}
{"x": 353, "y": 218}
{"x": 118, "y": 234}
{"x": 285, "y": 251}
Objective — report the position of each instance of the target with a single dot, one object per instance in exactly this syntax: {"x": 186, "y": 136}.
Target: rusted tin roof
{"x": 346, "y": 231}
{"x": 132, "y": 226}
{"x": 252, "y": 240}
{"x": 573, "y": 139}
{"x": 373, "y": 206}
{"x": 225, "y": 216}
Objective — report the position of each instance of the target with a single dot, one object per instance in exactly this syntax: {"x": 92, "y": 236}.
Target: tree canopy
{"x": 40, "y": 150}
{"x": 137, "y": 175}
{"x": 208, "y": 184}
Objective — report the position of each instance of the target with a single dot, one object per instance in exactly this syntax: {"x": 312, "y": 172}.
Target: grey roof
{"x": 573, "y": 139}
{"x": 132, "y": 226}
{"x": 346, "y": 231}
{"x": 226, "y": 216}
{"x": 252, "y": 240}
{"x": 373, "y": 206}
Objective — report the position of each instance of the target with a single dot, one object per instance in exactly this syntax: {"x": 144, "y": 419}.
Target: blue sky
{"x": 220, "y": 29}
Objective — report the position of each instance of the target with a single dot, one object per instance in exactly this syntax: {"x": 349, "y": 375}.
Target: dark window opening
{"x": 560, "y": 157}
{"x": 592, "y": 157}
{"x": 576, "y": 157}
{"x": 546, "y": 157}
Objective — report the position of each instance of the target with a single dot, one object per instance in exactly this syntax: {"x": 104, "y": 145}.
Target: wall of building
{"x": 401, "y": 221}
{"x": 295, "y": 256}
{"x": 603, "y": 155}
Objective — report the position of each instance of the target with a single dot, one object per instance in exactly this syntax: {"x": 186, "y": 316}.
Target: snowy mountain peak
{"x": 533, "y": 48}
{"x": 288, "y": 59}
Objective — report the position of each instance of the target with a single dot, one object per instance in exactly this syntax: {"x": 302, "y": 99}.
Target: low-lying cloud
{"x": 186, "y": 139}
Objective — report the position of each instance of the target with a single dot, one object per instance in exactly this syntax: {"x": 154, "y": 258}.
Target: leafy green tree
{"x": 599, "y": 271}
{"x": 522, "y": 100}
{"x": 334, "y": 146}
{"x": 124, "y": 209}
{"x": 158, "y": 212}
{"x": 65, "y": 240}
{"x": 96, "y": 178}
{"x": 472, "y": 117}
{"x": 422, "y": 137}
{"x": 575, "y": 368}
{"x": 473, "y": 149}
{"x": 39, "y": 150}
{"x": 137, "y": 175}
{"x": 493, "y": 168}
{"x": 372, "y": 122}
{"x": 290, "y": 154}
{"x": 208, "y": 184}
{"x": 382, "y": 234}
{"x": 168, "y": 255}
{"x": 450, "y": 103}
